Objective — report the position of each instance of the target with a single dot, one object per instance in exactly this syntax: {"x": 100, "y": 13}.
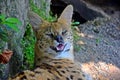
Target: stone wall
{"x": 18, "y": 9}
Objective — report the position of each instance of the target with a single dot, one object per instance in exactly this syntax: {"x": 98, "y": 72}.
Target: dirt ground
{"x": 100, "y": 47}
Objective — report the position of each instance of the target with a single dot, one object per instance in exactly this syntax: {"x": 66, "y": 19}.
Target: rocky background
{"x": 99, "y": 36}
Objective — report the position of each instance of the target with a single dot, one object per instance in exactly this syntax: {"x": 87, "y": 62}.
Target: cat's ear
{"x": 66, "y": 15}
{"x": 35, "y": 20}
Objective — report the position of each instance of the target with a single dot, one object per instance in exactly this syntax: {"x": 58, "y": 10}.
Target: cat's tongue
{"x": 60, "y": 47}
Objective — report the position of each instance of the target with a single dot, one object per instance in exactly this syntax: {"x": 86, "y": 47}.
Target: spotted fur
{"x": 53, "y": 69}
{"x": 54, "y": 58}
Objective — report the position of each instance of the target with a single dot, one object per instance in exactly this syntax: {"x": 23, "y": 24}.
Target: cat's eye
{"x": 64, "y": 32}
{"x": 50, "y": 34}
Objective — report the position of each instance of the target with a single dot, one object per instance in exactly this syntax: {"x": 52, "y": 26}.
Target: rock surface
{"x": 100, "y": 47}
{"x": 82, "y": 10}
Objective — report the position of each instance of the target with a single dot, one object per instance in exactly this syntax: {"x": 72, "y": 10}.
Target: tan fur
{"x": 53, "y": 69}
{"x": 52, "y": 64}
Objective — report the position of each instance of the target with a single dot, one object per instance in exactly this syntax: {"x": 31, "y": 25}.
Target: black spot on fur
{"x": 48, "y": 79}
{"x": 23, "y": 77}
{"x": 74, "y": 71}
{"x": 31, "y": 75}
{"x": 57, "y": 63}
{"x": 59, "y": 66}
{"x": 59, "y": 73}
{"x": 20, "y": 74}
{"x": 63, "y": 71}
{"x": 46, "y": 66}
{"x": 40, "y": 46}
{"x": 67, "y": 70}
{"x": 67, "y": 78}
{"x": 49, "y": 71}
{"x": 39, "y": 59}
{"x": 71, "y": 63}
{"x": 70, "y": 67}
{"x": 80, "y": 79}
{"x": 38, "y": 72}
{"x": 71, "y": 76}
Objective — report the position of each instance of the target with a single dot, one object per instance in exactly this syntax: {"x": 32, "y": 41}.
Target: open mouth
{"x": 60, "y": 47}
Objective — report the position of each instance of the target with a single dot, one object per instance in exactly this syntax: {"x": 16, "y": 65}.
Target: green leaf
{"x": 12, "y": 26}
{"x": 75, "y": 23}
{"x": 2, "y": 16}
{"x": 12, "y": 20}
{"x": 3, "y": 35}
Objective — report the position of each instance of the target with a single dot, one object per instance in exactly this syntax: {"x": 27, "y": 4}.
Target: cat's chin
{"x": 59, "y": 48}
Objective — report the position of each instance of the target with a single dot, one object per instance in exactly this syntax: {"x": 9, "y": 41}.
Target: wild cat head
{"x": 55, "y": 37}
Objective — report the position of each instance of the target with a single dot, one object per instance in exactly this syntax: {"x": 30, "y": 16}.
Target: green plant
{"x": 6, "y": 24}
{"x": 28, "y": 48}
{"x": 41, "y": 12}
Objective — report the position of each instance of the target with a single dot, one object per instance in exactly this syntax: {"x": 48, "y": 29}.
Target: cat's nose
{"x": 59, "y": 39}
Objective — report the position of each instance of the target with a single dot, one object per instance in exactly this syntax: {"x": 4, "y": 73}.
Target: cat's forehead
{"x": 58, "y": 26}
{"x": 53, "y": 27}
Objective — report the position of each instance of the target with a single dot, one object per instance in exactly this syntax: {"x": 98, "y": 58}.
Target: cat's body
{"x": 54, "y": 58}
{"x": 53, "y": 69}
